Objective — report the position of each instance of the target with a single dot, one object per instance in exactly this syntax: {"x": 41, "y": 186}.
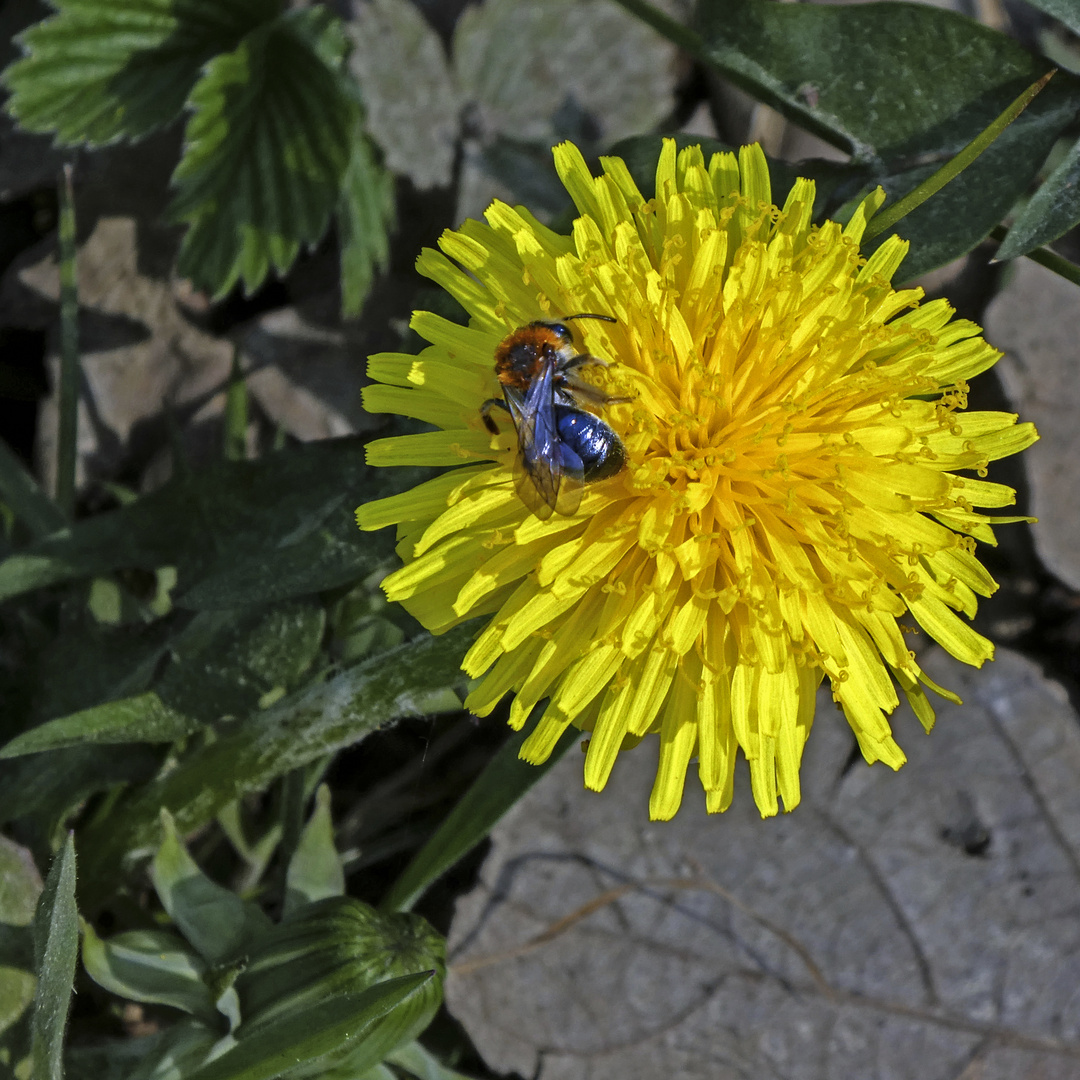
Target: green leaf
{"x": 380, "y": 1072}
{"x": 334, "y": 553}
{"x": 957, "y": 164}
{"x": 312, "y": 1033}
{"x": 152, "y": 966}
{"x": 143, "y": 718}
{"x": 23, "y": 494}
{"x": 315, "y": 870}
{"x": 213, "y": 521}
{"x": 505, "y": 779}
{"x": 87, "y": 664}
{"x": 214, "y": 920}
{"x": 265, "y": 152}
{"x": 20, "y": 887}
{"x": 881, "y": 79}
{"x": 1065, "y": 11}
{"x": 365, "y": 218}
{"x": 227, "y": 663}
{"x": 179, "y": 1051}
{"x": 56, "y": 947}
{"x": 422, "y": 1064}
{"x": 97, "y": 72}
{"x": 965, "y": 211}
{"x": 342, "y": 946}
{"x": 1051, "y": 212}
{"x": 45, "y": 787}
{"x": 414, "y": 679}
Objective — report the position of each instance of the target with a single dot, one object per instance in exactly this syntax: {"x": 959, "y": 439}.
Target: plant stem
{"x": 236, "y": 413}
{"x": 664, "y": 24}
{"x": 1045, "y": 257}
{"x": 68, "y": 406}
{"x": 955, "y": 165}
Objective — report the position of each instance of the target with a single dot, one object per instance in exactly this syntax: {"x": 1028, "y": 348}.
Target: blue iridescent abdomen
{"x": 591, "y": 440}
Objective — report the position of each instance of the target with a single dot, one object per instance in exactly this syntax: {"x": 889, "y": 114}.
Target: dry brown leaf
{"x": 145, "y": 354}
{"x": 305, "y": 377}
{"x": 411, "y": 101}
{"x": 1036, "y": 320}
{"x": 924, "y": 924}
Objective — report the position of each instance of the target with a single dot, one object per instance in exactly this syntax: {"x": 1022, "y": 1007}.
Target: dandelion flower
{"x": 791, "y": 501}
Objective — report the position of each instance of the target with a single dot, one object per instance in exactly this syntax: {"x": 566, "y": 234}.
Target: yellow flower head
{"x": 792, "y": 429}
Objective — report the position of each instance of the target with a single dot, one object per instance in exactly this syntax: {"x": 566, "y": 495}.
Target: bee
{"x": 561, "y": 446}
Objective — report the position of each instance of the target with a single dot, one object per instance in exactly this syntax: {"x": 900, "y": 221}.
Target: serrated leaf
{"x": 151, "y": 966}
{"x": 265, "y": 152}
{"x": 505, "y": 779}
{"x": 884, "y": 79}
{"x": 97, "y": 72}
{"x": 214, "y": 920}
{"x": 312, "y": 1033}
{"x": 143, "y": 718}
{"x": 315, "y": 870}
{"x": 410, "y": 680}
{"x": 365, "y": 216}
{"x": 1051, "y": 212}
{"x": 56, "y": 947}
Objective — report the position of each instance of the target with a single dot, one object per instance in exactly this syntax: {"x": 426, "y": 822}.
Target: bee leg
{"x": 485, "y": 413}
{"x": 583, "y": 360}
{"x": 582, "y": 389}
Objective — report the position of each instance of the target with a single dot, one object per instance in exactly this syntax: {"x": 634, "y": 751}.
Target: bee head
{"x": 561, "y": 331}
{"x": 564, "y": 333}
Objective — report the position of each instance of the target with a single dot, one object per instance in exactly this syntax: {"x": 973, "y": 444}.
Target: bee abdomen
{"x": 592, "y": 440}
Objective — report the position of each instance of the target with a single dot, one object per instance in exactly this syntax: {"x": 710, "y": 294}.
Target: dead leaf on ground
{"x": 1036, "y": 320}
{"x": 305, "y": 377}
{"x": 411, "y": 100}
{"x": 924, "y": 924}
{"x": 129, "y": 378}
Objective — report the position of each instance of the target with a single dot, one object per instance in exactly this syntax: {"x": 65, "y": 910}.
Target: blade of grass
{"x": 56, "y": 944}
{"x": 955, "y": 165}
{"x": 505, "y": 779}
{"x": 67, "y": 433}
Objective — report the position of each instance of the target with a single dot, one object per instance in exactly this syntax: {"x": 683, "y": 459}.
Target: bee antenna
{"x": 588, "y": 315}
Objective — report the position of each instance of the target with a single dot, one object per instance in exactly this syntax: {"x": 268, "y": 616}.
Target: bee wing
{"x": 547, "y": 475}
